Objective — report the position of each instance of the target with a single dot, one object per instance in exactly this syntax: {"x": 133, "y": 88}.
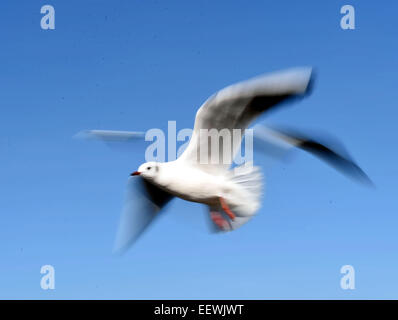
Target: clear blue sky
{"x": 134, "y": 65}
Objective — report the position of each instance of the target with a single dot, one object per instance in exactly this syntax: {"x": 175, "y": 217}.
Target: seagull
{"x": 231, "y": 195}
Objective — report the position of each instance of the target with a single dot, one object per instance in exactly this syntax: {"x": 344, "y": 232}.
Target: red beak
{"x": 135, "y": 173}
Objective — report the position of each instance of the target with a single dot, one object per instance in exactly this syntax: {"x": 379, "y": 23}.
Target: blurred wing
{"x": 110, "y": 135}
{"x": 278, "y": 141}
{"x": 117, "y": 140}
{"x": 143, "y": 202}
{"x": 236, "y": 106}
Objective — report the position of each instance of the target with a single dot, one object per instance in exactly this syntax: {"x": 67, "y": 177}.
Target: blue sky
{"x": 134, "y": 65}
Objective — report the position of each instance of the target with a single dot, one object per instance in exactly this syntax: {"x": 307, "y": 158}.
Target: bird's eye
{"x": 149, "y": 168}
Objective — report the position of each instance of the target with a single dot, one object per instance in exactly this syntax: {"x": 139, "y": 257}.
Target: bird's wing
{"x": 143, "y": 203}
{"x": 110, "y": 135}
{"x": 235, "y": 107}
{"x": 277, "y": 141}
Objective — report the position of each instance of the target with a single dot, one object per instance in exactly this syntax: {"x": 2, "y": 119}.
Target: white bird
{"x": 232, "y": 196}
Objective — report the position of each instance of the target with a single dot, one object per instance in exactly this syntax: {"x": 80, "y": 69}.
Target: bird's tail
{"x": 244, "y": 202}
{"x": 249, "y": 182}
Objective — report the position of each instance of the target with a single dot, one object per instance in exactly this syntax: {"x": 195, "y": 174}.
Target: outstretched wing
{"x": 235, "y": 107}
{"x": 143, "y": 203}
{"x": 277, "y": 141}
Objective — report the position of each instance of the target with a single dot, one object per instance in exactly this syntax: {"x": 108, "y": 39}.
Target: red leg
{"x": 227, "y": 210}
{"x": 219, "y": 221}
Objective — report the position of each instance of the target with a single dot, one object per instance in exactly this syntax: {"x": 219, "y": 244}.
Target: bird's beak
{"x": 135, "y": 173}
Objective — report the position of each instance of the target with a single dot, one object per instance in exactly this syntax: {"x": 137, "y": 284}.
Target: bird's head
{"x": 148, "y": 170}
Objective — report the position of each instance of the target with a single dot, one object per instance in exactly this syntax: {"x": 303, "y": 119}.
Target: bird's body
{"x": 193, "y": 184}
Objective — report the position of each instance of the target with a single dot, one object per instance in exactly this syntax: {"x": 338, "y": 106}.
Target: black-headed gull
{"x": 232, "y": 196}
